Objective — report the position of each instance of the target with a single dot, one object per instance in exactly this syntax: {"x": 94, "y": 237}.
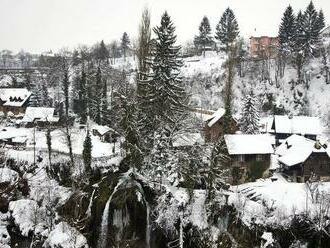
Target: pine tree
{"x": 249, "y": 121}
{"x": 35, "y": 98}
{"x": 286, "y": 32}
{"x": 49, "y": 145}
{"x": 204, "y": 37}
{"x": 166, "y": 96}
{"x": 104, "y": 103}
{"x": 320, "y": 21}
{"x": 82, "y": 98}
{"x": 102, "y": 52}
{"x": 125, "y": 42}
{"x": 97, "y": 100}
{"x": 65, "y": 89}
{"x": 227, "y": 29}
{"x": 87, "y": 152}
{"x": 311, "y": 31}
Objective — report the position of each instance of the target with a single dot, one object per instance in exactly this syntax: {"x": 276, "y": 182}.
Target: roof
{"x": 249, "y": 144}
{"x": 14, "y": 97}
{"x": 102, "y": 130}
{"x": 215, "y": 117}
{"x": 40, "y": 114}
{"x": 297, "y": 125}
{"x": 296, "y": 149}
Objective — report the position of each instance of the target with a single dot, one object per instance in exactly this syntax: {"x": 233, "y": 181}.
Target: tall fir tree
{"x": 204, "y": 37}
{"x": 320, "y": 21}
{"x": 82, "y": 98}
{"x": 101, "y": 52}
{"x": 125, "y": 44}
{"x": 227, "y": 29}
{"x": 286, "y": 32}
{"x": 166, "y": 96}
{"x": 87, "y": 153}
{"x": 249, "y": 121}
{"x": 104, "y": 103}
{"x": 65, "y": 89}
{"x": 97, "y": 101}
{"x": 311, "y": 31}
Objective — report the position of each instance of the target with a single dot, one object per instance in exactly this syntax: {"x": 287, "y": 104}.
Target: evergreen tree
{"x": 49, "y": 145}
{"x": 125, "y": 43}
{"x": 35, "y": 98}
{"x": 320, "y": 21}
{"x": 311, "y": 31}
{"x": 101, "y": 52}
{"x": 65, "y": 89}
{"x": 204, "y": 38}
{"x": 227, "y": 29}
{"x": 249, "y": 121}
{"x": 104, "y": 103}
{"x": 165, "y": 99}
{"x": 82, "y": 98}
{"x": 87, "y": 152}
{"x": 97, "y": 99}
{"x": 286, "y": 32}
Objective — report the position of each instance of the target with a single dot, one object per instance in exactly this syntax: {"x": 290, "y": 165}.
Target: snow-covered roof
{"x": 297, "y": 125}
{"x": 215, "y": 117}
{"x": 39, "y": 114}
{"x": 249, "y": 144}
{"x": 14, "y": 97}
{"x": 296, "y": 149}
{"x": 102, "y": 130}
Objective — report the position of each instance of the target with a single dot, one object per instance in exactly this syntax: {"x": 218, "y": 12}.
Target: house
{"x": 105, "y": 133}
{"x": 284, "y": 126}
{"x": 14, "y": 100}
{"x": 300, "y": 158}
{"x": 264, "y": 46}
{"x": 40, "y": 116}
{"x": 214, "y": 126}
{"x": 250, "y": 155}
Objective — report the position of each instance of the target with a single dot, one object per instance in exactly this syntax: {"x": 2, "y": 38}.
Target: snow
{"x": 39, "y": 114}
{"x": 4, "y": 235}
{"x": 216, "y": 117}
{"x": 8, "y": 175}
{"x": 296, "y": 149}
{"x": 19, "y": 96}
{"x": 100, "y": 149}
{"x": 102, "y": 129}
{"x": 268, "y": 238}
{"x": 188, "y": 139}
{"x": 270, "y": 202}
{"x": 27, "y": 216}
{"x": 65, "y": 236}
{"x": 297, "y": 125}
{"x": 249, "y": 144}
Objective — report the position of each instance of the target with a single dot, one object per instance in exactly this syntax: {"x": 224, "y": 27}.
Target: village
{"x": 292, "y": 147}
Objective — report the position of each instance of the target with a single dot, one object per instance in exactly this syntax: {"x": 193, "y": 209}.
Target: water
{"x": 148, "y": 226}
{"x": 89, "y": 209}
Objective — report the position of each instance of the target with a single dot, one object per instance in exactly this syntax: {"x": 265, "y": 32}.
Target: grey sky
{"x": 40, "y": 25}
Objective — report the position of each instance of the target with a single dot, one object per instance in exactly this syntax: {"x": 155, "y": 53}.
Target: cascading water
{"x": 89, "y": 209}
{"x": 148, "y": 227}
{"x": 105, "y": 218}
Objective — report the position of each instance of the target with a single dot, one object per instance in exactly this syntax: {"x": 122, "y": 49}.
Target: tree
{"x": 82, "y": 98}
{"x": 219, "y": 158}
{"x": 104, "y": 103}
{"x": 49, "y": 145}
{"x": 204, "y": 38}
{"x": 286, "y": 31}
{"x": 166, "y": 96}
{"x": 125, "y": 42}
{"x": 97, "y": 99}
{"x": 65, "y": 88}
{"x": 320, "y": 21}
{"x": 101, "y": 52}
{"x": 87, "y": 152}
{"x": 227, "y": 29}
{"x": 249, "y": 121}
{"x": 311, "y": 29}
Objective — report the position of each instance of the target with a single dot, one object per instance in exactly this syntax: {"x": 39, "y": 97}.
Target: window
{"x": 259, "y": 157}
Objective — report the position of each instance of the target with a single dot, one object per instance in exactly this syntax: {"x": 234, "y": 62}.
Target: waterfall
{"x": 148, "y": 227}
{"x": 89, "y": 209}
{"x": 102, "y": 243}
{"x": 120, "y": 220}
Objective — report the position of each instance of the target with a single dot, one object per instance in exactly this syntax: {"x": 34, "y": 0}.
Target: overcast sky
{"x": 40, "y": 25}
